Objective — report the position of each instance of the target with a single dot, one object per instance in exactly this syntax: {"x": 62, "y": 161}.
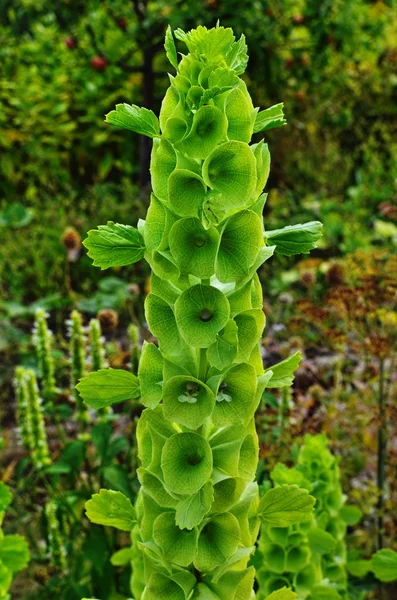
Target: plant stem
{"x": 382, "y": 444}
{"x": 202, "y": 370}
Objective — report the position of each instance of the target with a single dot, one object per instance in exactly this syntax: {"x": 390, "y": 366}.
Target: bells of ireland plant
{"x": 198, "y": 512}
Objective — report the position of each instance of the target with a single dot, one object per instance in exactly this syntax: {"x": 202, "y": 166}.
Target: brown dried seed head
{"x": 108, "y": 319}
{"x": 71, "y": 239}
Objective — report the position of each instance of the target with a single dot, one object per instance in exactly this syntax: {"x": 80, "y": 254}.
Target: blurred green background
{"x": 64, "y": 64}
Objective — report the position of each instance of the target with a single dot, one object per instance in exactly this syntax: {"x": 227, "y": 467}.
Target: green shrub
{"x": 14, "y": 551}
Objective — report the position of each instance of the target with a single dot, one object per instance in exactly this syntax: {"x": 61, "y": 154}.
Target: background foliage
{"x": 63, "y": 170}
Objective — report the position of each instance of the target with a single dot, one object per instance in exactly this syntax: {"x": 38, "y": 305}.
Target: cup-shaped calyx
{"x": 198, "y": 510}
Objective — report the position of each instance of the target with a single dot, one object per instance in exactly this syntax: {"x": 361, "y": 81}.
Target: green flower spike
{"x": 198, "y": 511}
{"x": 77, "y": 358}
{"x": 42, "y": 339}
{"x": 40, "y": 451}
{"x": 311, "y": 556}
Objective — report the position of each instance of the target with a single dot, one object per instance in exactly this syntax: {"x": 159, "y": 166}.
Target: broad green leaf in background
{"x": 283, "y": 372}
{"x": 122, "y": 557}
{"x": 134, "y": 118}
{"x": 112, "y": 509}
{"x": 108, "y": 386}
{"x": 351, "y": 514}
{"x": 384, "y": 565}
{"x": 358, "y": 568}
{"x": 295, "y": 239}
{"x": 170, "y": 48}
{"x": 191, "y": 511}
{"x": 186, "y": 462}
{"x": 5, "y": 496}
{"x": 284, "y": 505}
{"x": 16, "y": 215}
{"x": 283, "y": 594}
{"x": 270, "y": 118}
{"x": 150, "y": 374}
{"x": 321, "y": 541}
{"x": 14, "y": 552}
{"x": 114, "y": 245}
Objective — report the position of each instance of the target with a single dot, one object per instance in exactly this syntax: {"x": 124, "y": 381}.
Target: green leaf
{"x": 283, "y": 594}
{"x": 295, "y": 239}
{"x": 170, "y": 48}
{"x": 192, "y": 510}
{"x": 384, "y": 565}
{"x": 240, "y": 243}
{"x": 237, "y": 57}
{"x": 5, "y": 496}
{"x": 114, "y": 245}
{"x": 284, "y": 505}
{"x": 359, "y": 568}
{"x": 201, "y": 312}
{"x": 122, "y": 557}
{"x": 178, "y": 545}
{"x": 14, "y": 552}
{"x": 186, "y": 462}
{"x": 150, "y": 374}
{"x": 214, "y": 43}
{"x": 351, "y": 514}
{"x": 283, "y": 372}
{"x": 140, "y": 120}
{"x": 112, "y": 509}
{"x": 270, "y": 118}
{"x": 321, "y": 541}
{"x": 108, "y": 386}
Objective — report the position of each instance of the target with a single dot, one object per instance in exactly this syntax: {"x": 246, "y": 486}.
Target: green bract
{"x": 198, "y": 511}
